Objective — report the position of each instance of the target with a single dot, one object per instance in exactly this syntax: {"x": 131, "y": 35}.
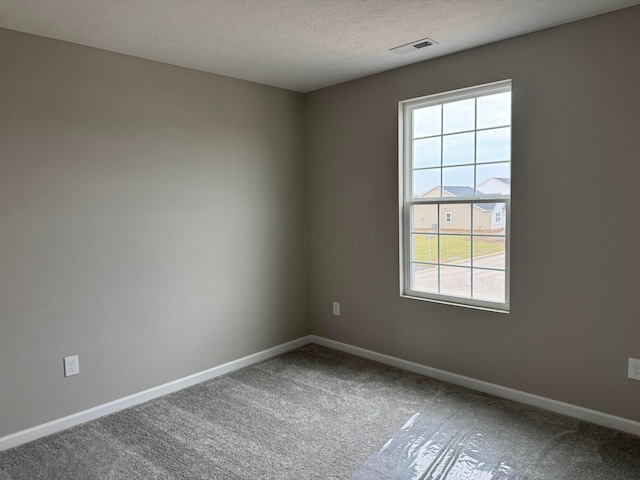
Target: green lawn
{"x": 453, "y": 248}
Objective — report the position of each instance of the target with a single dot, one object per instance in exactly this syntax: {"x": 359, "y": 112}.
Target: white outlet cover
{"x": 336, "y": 309}
{"x": 634, "y": 368}
{"x": 71, "y": 365}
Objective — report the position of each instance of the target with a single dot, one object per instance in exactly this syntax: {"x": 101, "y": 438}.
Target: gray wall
{"x": 575, "y": 276}
{"x": 140, "y": 205}
{"x": 159, "y": 221}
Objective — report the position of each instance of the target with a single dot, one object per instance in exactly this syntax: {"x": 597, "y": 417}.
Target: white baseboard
{"x": 593, "y": 416}
{"x": 604, "y": 419}
{"x": 18, "y": 438}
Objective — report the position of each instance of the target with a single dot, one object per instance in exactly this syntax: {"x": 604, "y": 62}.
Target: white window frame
{"x": 405, "y": 142}
{"x": 448, "y": 217}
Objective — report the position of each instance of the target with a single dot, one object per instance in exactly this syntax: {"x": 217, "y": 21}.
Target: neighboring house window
{"x": 455, "y": 157}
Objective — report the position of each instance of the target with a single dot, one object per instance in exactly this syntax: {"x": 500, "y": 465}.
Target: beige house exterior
{"x": 456, "y": 218}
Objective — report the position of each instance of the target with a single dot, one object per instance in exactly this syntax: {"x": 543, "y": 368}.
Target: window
{"x": 455, "y": 187}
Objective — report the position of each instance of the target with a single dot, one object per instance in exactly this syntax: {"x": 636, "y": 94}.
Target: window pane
{"x": 424, "y": 278}
{"x": 494, "y": 110}
{"x": 455, "y": 218}
{"x": 424, "y": 218}
{"x": 494, "y": 178}
{"x": 458, "y": 181}
{"x": 424, "y": 248}
{"x": 489, "y": 252}
{"x": 427, "y": 121}
{"x": 458, "y": 149}
{"x": 424, "y": 181}
{"x": 459, "y": 116}
{"x": 455, "y": 281}
{"x": 494, "y": 145}
{"x": 489, "y": 285}
{"x": 489, "y": 218}
{"x": 455, "y": 249}
{"x": 426, "y": 152}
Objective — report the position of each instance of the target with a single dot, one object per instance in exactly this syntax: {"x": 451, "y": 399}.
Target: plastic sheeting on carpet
{"x": 469, "y": 436}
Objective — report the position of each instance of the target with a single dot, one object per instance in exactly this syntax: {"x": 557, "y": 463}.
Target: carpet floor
{"x": 316, "y": 413}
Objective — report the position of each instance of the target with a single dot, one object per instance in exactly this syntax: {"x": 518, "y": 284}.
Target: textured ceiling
{"x": 300, "y": 45}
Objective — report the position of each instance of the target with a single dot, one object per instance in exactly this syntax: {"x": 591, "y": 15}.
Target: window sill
{"x": 505, "y": 310}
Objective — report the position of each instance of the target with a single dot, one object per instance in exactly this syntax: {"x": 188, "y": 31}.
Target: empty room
{"x": 301, "y": 239}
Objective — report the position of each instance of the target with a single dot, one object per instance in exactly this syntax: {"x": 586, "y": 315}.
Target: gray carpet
{"x": 315, "y": 413}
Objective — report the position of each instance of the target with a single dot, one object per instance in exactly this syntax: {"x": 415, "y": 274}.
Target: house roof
{"x": 487, "y": 207}
{"x": 459, "y": 191}
{"x": 465, "y": 191}
{"x": 502, "y": 179}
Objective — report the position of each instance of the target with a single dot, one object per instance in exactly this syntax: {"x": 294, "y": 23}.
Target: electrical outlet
{"x": 634, "y": 368}
{"x": 336, "y": 309}
{"x": 71, "y": 366}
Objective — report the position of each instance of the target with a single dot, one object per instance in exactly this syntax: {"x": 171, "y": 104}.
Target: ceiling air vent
{"x": 413, "y": 46}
